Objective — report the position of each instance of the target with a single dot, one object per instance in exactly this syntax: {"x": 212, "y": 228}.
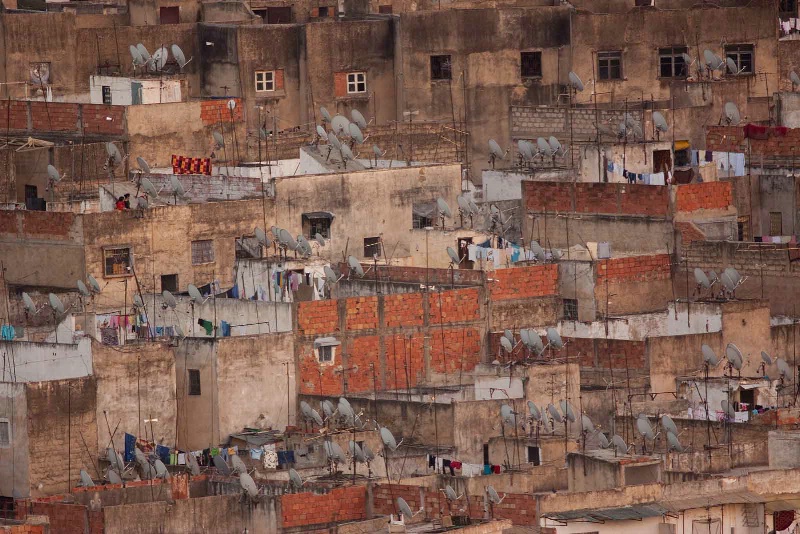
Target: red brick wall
{"x": 462, "y": 349}
{"x": 520, "y": 508}
{"x": 625, "y": 199}
{"x": 384, "y": 497}
{"x": 340, "y": 84}
{"x": 212, "y": 110}
{"x": 362, "y": 313}
{"x": 318, "y": 317}
{"x": 52, "y": 116}
{"x": 95, "y": 119}
{"x": 689, "y": 232}
{"x": 634, "y": 269}
{"x": 47, "y": 224}
{"x": 525, "y": 282}
{"x": 402, "y": 310}
{"x": 402, "y": 352}
{"x": 64, "y": 518}
{"x": 62, "y": 117}
{"x": 705, "y": 195}
{"x": 305, "y": 509}
{"x": 454, "y": 306}
{"x": 731, "y": 139}
{"x": 17, "y": 117}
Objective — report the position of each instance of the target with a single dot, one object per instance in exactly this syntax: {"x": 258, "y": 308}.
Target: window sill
{"x": 436, "y": 81}
{"x": 353, "y": 97}
{"x": 126, "y": 275}
{"x": 531, "y": 78}
{"x": 270, "y": 95}
{"x": 204, "y": 263}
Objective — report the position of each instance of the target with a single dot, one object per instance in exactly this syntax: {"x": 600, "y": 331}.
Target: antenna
{"x": 177, "y": 188}
{"x": 388, "y": 439}
{"x": 659, "y": 123}
{"x": 195, "y": 295}
{"x": 295, "y": 479}
{"x": 732, "y": 67}
{"x": 95, "y": 287}
{"x": 443, "y": 209}
{"x": 159, "y": 59}
{"x": 169, "y": 300}
{"x": 355, "y": 266}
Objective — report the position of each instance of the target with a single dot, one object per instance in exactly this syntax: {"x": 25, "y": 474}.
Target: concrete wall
{"x": 14, "y": 460}
{"x": 198, "y": 415}
{"x": 36, "y": 362}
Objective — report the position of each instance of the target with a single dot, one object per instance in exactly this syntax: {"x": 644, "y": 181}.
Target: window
{"x": 202, "y": 252}
{"x": 247, "y": 248}
{"x": 319, "y": 226}
{"x": 117, "y": 261}
{"x": 423, "y": 214}
{"x": 107, "y": 95}
{"x": 5, "y": 433}
{"x": 40, "y": 72}
{"x": 279, "y": 15}
{"x": 671, "y": 63}
{"x": 386, "y": 10}
{"x": 775, "y": 223}
{"x": 372, "y": 247}
{"x": 169, "y": 282}
{"x": 742, "y": 56}
{"x": 570, "y": 309}
{"x": 531, "y": 64}
{"x": 420, "y": 222}
{"x": 356, "y": 82}
{"x": 170, "y": 15}
{"x": 265, "y": 81}
{"x": 609, "y": 65}
{"x": 323, "y": 11}
{"x": 788, "y": 8}
{"x": 533, "y": 456}
{"x": 325, "y": 353}
{"x": 194, "y": 381}
{"x": 441, "y": 68}
{"x": 643, "y": 3}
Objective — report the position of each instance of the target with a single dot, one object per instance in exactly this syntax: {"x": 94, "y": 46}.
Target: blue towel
{"x": 7, "y": 332}
{"x": 487, "y": 469}
{"x": 130, "y": 446}
{"x": 285, "y": 457}
{"x": 163, "y": 453}
{"x": 225, "y": 327}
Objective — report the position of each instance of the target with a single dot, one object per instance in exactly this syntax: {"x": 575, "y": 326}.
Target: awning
{"x": 610, "y": 514}
{"x": 681, "y": 145}
{"x": 326, "y": 342}
{"x": 424, "y": 209}
{"x": 751, "y": 386}
{"x": 318, "y": 215}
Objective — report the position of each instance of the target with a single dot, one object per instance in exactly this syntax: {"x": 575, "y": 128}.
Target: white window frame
{"x": 265, "y": 81}
{"x": 10, "y": 433}
{"x": 323, "y": 345}
{"x": 354, "y": 79}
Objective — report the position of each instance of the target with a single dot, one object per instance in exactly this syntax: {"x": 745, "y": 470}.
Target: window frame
{"x": 775, "y": 221}
{"x": 735, "y": 52}
{"x": 325, "y": 353}
{"x": 110, "y": 249}
{"x": 355, "y": 80}
{"x": 673, "y": 53}
{"x": 609, "y": 56}
{"x": 203, "y": 259}
{"x": 372, "y": 245}
{"x": 444, "y": 67}
{"x": 7, "y": 422}
{"x": 537, "y": 54}
{"x": 264, "y": 82}
{"x": 173, "y": 288}
{"x": 573, "y": 305}
{"x": 106, "y": 90}
{"x": 190, "y": 382}
{"x": 319, "y": 225}
{"x": 417, "y": 222}
{"x": 787, "y": 8}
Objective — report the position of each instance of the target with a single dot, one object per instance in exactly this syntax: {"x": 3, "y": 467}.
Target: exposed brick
{"x": 214, "y": 110}
{"x": 634, "y": 269}
{"x": 525, "y": 282}
{"x": 705, "y": 195}
{"x": 601, "y": 198}
{"x": 340, "y": 505}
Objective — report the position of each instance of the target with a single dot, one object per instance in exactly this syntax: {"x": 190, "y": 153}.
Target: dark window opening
{"x": 5, "y": 433}
{"x": 323, "y": 11}
{"x": 247, "y": 248}
{"x": 742, "y": 56}
{"x": 747, "y": 396}
{"x": 609, "y": 65}
{"x": 107, "y": 95}
{"x": 531, "y": 64}
{"x": 486, "y": 454}
{"x": 571, "y": 309}
{"x": 170, "y": 15}
{"x": 533, "y": 456}
{"x": 386, "y": 10}
{"x": 202, "y": 252}
{"x": 775, "y": 223}
{"x": 372, "y": 247}
{"x": 643, "y": 3}
{"x": 671, "y": 63}
{"x": 169, "y": 282}
{"x": 441, "y": 68}
{"x": 325, "y": 353}
{"x": 194, "y": 381}
{"x": 279, "y": 15}
{"x": 788, "y": 8}
{"x": 32, "y": 200}
{"x": 419, "y": 222}
{"x": 117, "y": 261}
{"x": 313, "y": 225}
{"x": 740, "y": 230}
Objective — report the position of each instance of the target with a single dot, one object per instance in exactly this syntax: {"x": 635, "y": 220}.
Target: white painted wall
{"x": 494, "y": 387}
{"x": 36, "y": 362}
{"x": 121, "y": 90}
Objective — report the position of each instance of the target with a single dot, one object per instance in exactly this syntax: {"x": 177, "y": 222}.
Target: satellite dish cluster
{"x": 345, "y": 134}
{"x": 706, "y": 284}
{"x": 156, "y": 62}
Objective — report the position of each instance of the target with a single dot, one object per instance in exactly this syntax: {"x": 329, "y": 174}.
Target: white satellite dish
{"x": 575, "y": 81}
{"x": 169, "y": 299}
{"x": 358, "y": 118}
{"x": 56, "y": 303}
{"x": 180, "y": 57}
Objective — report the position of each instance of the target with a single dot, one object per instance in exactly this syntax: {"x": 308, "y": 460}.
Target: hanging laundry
{"x": 182, "y": 458}
{"x": 496, "y": 469}
{"x": 225, "y": 328}
{"x": 755, "y": 131}
{"x": 163, "y": 453}
{"x": 208, "y": 326}
{"x": 515, "y": 252}
{"x": 7, "y": 332}
{"x": 447, "y": 464}
{"x": 455, "y": 464}
{"x": 285, "y": 457}
{"x": 431, "y": 460}
{"x": 255, "y": 454}
{"x": 186, "y": 165}
{"x": 130, "y": 446}
{"x": 487, "y": 469}
{"x": 657, "y": 179}
{"x": 173, "y": 458}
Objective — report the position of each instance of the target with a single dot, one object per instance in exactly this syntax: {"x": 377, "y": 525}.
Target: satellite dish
{"x": 113, "y": 153}
{"x": 377, "y": 151}
{"x": 619, "y": 444}
{"x": 555, "y": 145}
{"x": 56, "y": 303}
{"x": 731, "y": 64}
{"x": 143, "y": 52}
{"x": 142, "y": 203}
{"x": 161, "y": 469}
{"x": 673, "y": 443}
{"x": 330, "y": 276}
{"x": 191, "y": 461}
{"x": 143, "y": 166}
{"x": 495, "y": 150}
{"x": 388, "y": 438}
{"x": 732, "y": 113}
{"x": 261, "y": 237}
{"x": 177, "y": 187}
{"x": 509, "y": 335}
{"x": 450, "y": 493}
{"x": 346, "y": 410}
{"x": 321, "y": 132}
{"x": 355, "y": 133}
{"x": 333, "y": 140}
{"x": 340, "y": 125}
{"x": 137, "y": 301}
{"x": 335, "y": 452}
{"x": 139, "y": 455}
{"x": 523, "y": 335}
{"x": 218, "y": 139}
{"x": 544, "y": 146}
{"x": 82, "y": 289}
{"x": 248, "y": 485}
{"x": 114, "y": 478}
{"x": 727, "y": 408}
{"x": 536, "y": 414}
{"x": 713, "y": 61}
{"x": 319, "y": 239}
{"x": 506, "y": 344}
{"x": 660, "y": 122}
{"x": 238, "y": 464}
{"x": 709, "y": 357}
{"x": 347, "y": 154}
{"x": 553, "y": 411}
{"x": 356, "y": 452}
{"x": 313, "y": 415}
{"x": 179, "y": 56}
{"x": 669, "y": 424}
{"x": 795, "y": 78}
{"x": 575, "y": 81}
{"x": 783, "y": 367}
{"x": 404, "y": 509}
{"x": 148, "y": 187}
{"x": 86, "y": 480}
{"x": 586, "y": 423}
{"x": 138, "y": 60}
{"x": 93, "y": 283}
{"x": 604, "y": 443}
{"x": 766, "y": 358}
{"x": 701, "y": 278}
{"x": 325, "y": 115}
{"x": 536, "y": 341}
{"x": 538, "y": 251}
{"x": 52, "y": 174}
{"x": 687, "y": 60}
{"x": 327, "y": 407}
{"x": 554, "y": 339}
{"x": 295, "y": 479}
{"x": 159, "y": 59}
{"x": 524, "y": 149}
{"x": 355, "y": 266}
{"x": 231, "y": 104}
{"x": 644, "y": 428}
{"x": 734, "y": 356}
{"x": 507, "y": 414}
{"x": 221, "y": 466}
{"x": 494, "y": 498}
{"x": 566, "y": 409}
{"x": 195, "y": 294}
{"x": 453, "y": 256}
{"x": 443, "y": 208}
{"x": 178, "y": 331}
{"x": 368, "y": 454}
{"x": 169, "y": 300}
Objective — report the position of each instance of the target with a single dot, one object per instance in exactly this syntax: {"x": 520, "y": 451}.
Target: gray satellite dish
{"x": 554, "y": 143}
{"x": 231, "y": 104}
{"x": 553, "y": 411}
{"x": 295, "y": 479}
{"x": 142, "y": 203}
{"x": 178, "y": 331}
{"x": 191, "y": 461}
{"x": 143, "y": 52}
{"x": 783, "y": 367}
{"x": 506, "y": 344}
{"x": 566, "y": 409}
{"x": 114, "y": 460}
{"x": 169, "y": 300}
{"x": 93, "y": 283}
{"x": 443, "y": 208}
{"x": 346, "y": 411}
{"x": 673, "y": 443}
{"x": 330, "y": 278}
{"x": 355, "y": 266}
{"x": 795, "y": 78}
{"x": 303, "y": 245}
{"x": 450, "y": 493}
{"x": 604, "y": 443}
{"x": 340, "y": 125}
{"x": 575, "y": 81}
{"x": 248, "y": 485}
{"x": 321, "y": 132}
{"x": 137, "y": 301}
{"x": 727, "y": 408}
{"x": 644, "y": 427}
{"x": 347, "y": 154}
{"x": 536, "y": 414}
{"x": 195, "y": 294}
{"x": 368, "y": 454}
{"x": 177, "y": 187}
{"x": 30, "y": 307}
{"x": 86, "y": 480}
{"x": 83, "y": 290}
{"x": 238, "y": 464}
{"x": 734, "y": 356}
{"x": 494, "y": 498}
{"x": 388, "y": 438}
{"x": 148, "y": 187}
{"x": 538, "y": 251}
{"x": 161, "y": 469}
{"x": 113, "y": 153}
{"x": 356, "y": 452}
{"x": 554, "y": 339}
{"x": 619, "y": 444}
{"x": 463, "y": 204}
{"x": 453, "y": 256}
{"x": 731, "y": 64}
{"x": 261, "y": 237}
{"x": 159, "y": 59}
{"x": 180, "y": 57}
{"x": 137, "y": 452}
{"x": 143, "y": 166}
{"x": 113, "y": 477}
{"x": 586, "y": 423}
{"x": 327, "y": 406}
{"x": 335, "y": 453}
{"x": 377, "y": 151}
{"x": 358, "y": 118}
{"x": 138, "y": 60}
{"x": 355, "y": 133}
{"x": 669, "y": 424}
{"x": 510, "y": 335}
{"x": 325, "y": 115}
{"x": 523, "y": 335}
{"x": 524, "y": 148}
{"x": 333, "y": 140}
{"x": 313, "y": 415}
{"x": 660, "y": 122}
{"x": 544, "y": 146}
{"x": 52, "y": 174}
{"x": 732, "y": 113}
{"x": 709, "y": 356}
{"x": 536, "y": 341}
{"x": 221, "y": 466}
{"x": 701, "y": 278}
{"x": 319, "y": 239}
{"x": 507, "y": 415}
{"x": 218, "y": 139}
{"x": 713, "y": 61}
{"x": 495, "y": 150}
{"x": 404, "y": 509}
{"x": 766, "y": 358}
{"x": 148, "y": 471}
{"x": 56, "y": 303}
